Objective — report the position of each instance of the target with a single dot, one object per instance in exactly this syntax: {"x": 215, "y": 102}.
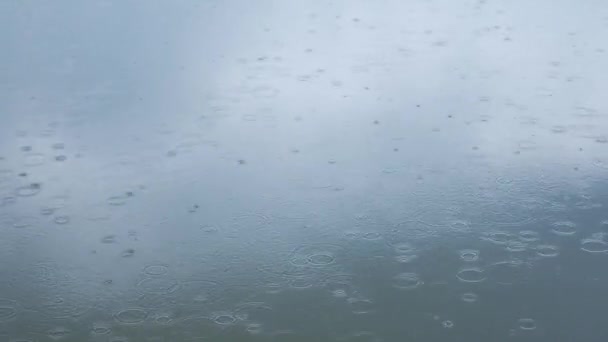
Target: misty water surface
{"x": 303, "y": 170}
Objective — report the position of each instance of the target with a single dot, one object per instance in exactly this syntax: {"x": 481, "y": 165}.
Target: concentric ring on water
{"x": 407, "y": 281}
{"x": 471, "y": 275}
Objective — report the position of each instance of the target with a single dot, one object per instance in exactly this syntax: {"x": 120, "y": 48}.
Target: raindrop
{"x": 117, "y": 200}
{"x": 108, "y": 239}
{"x": 224, "y": 318}
{"x": 101, "y": 329}
{"x": 127, "y": 253}
{"x": 529, "y": 236}
{"x": 361, "y": 306}
{"x": 447, "y": 324}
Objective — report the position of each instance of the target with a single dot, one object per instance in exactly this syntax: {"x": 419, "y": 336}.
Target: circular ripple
{"x": 516, "y": 246}
{"x": 407, "y": 281}
{"x": 156, "y": 270}
{"x": 526, "y": 324}
{"x": 594, "y": 246}
{"x": 28, "y": 190}
{"x": 315, "y": 255}
{"x": 224, "y": 318}
{"x": 252, "y": 310}
{"x": 564, "y": 228}
{"x": 372, "y": 236}
{"x": 498, "y": 238}
{"x": 548, "y": 251}
{"x": 321, "y": 259}
{"x": 469, "y": 255}
{"x": 403, "y": 248}
{"x": 58, "y": 333}
{"x": 405, "y": 258}
{"x": 301, "y": 283}
{"x": 63, "y": 219}
{"x": 161, "y": 286}
{"x": 131, "y": 316}
{"x": 469, "y": 297}
{"x": 471, "y": 275}
{"x": 101, "y": 329}
{"x": 447, "y": 324}
{"x": 361, "y": 306}
{"x": 8, "y": 309}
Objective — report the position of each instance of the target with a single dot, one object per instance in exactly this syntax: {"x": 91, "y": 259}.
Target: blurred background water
{"x": 421, "y": 170}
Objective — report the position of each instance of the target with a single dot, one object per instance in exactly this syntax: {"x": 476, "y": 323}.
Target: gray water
{"x": 303, "y": 170}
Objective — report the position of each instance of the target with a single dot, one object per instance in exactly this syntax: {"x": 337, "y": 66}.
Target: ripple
{"x": 594, "y": 246}
{"x": 372, "y": 236}
{"x": 469, "y": 255}
{"x": 405, "y": 258}
{"x": 254, "y": 328}
{"x": 471, "y": 275}
{"x": 224, "y": 318}
{"x": 131, "y": 316}
{"x": 67, "y": 306}
{"x": 564, "y": 228}
{"x": 58, "y": 333}
{"x": 407, "y": 281}
{"x": 447, "y": 324}
{"x": 252, "y": 310}
{"x": 8, "y": 309}
{"x": 361, "y": 336}
{"x": 155, "y": 270}
{"x": 529, "y": 236}
{"x": 403, "y": 248}
{"x": 301, "y": 283}
{"x": 161, "y": 286}
{"x": 498, "y": 238}
{"x": 34, "y": 159}
{"x": 548, "y": 251}
{"x": 315, "y": 255}
{"x": 516, "y": 246}
{"x": 526, "y": 324}
{"x": 361, "y": 306}
{"x": 28, "y": 190}
{"x": 62, "y": 219}
{"x": 469, "y": 297}
{"x": 101, "y": 329}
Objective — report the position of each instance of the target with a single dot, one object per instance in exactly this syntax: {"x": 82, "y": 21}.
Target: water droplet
{"x": 131, "y": 316}
{"x": 471, "y": 275}
{"x": 498, "y": 238}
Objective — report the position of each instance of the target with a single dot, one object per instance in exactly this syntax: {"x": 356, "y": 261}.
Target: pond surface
{"x": 303, "y": 171}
